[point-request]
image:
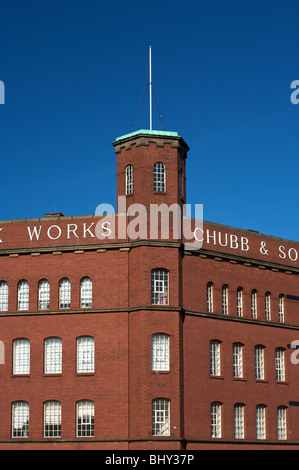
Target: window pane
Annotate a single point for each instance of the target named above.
(129, 179)
(161, 417)
(52, 419)
(3, 296)
(281, 422)
(23, 295)
(159, 177)
(259, 362)
(279, 364)
(225, 300)
(21, 356)
(86, 292)
(210, 297)
(159, 287)
(85, 418)
(260, 422)
(160, 352)
(85, 354)
(239, 421)
(20, 419)
(43, 294)
(64, 293)
(237, 360)
(215, 420)
(53, 356)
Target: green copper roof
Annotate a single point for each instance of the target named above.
(147, 132)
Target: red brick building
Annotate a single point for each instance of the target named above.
(146, 342)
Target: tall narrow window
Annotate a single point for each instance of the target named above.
(279, 364)
(239, 420)
(281, 308)
(85, 418)
(225, 299)
(240, 302)
(215, 357)
(20, 419)
(160, 352)
(210, 297)
(216, 420)
(65, 293)
(281, 423)
(21, 356)
(237, 360)
(159, 177)
(43, 294)
(253, 304)
(85, 354)
(129, 179)
(52, 419)
(3, 296)
(261, 422)
(268, 306)
(161, 417)
(23, 295)
(53, 356)
(259, 362)
(86, 292)
(160, 280)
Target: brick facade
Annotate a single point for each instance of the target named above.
(123, 318)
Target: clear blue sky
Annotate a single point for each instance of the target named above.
(74, 74)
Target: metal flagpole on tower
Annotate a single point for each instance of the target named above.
(150, 84)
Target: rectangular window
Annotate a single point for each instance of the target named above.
(259, 362)
(160, 287)
(20, 419)
(261, 422)
(216, 420)
(281, 423)
(85, 418)
(160, 352)
(279, 364)
(237, 360)
(21, 356)
(53, 356)
(161, 417)
(215, 357)
(239, 421)
(52, 419)
(85, 354)
(3, 296)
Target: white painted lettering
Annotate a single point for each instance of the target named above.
(293, 257)
(234, 242)
(87, 229)
(244, 244)
(220, 241)
(1, 241)
(73, 230)
(211, 236)
(35, 232)
(50, 229)
(282, 254)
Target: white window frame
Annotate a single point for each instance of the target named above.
(20, 419)
(268, 306)
(253, 304)
(280, 364)
(160, 352)
(216, 425)
(129, 179)
(261, 422)
(43, 294)
(53, 355)
(281, 423)
(215, 363)
(86, 292)
(259, 361)
(85, 355)
(225, 299)
(237, 360)
(240, 302)
(52, 419)
(3, 296)
(160, 287)
(23, 295)
(21, 356)
(161, 417)
(85, 418)
(281, 308)
(64, 293)
(210, 297)
(239, 425)
(159, 177)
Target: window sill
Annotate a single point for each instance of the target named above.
(217, 377)
(239, 379)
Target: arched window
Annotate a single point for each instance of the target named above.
(86, 292)
(161, 417)
(268, 306)
(259, 362)
(23, 295)
(281, 422)
(240, 302)
(85, 354)
(253, 304)
(261, 422)
(43, 294)
(129, 179)
(65, 293)
(281, 308)
(215, 357)
(85, 418)
(239, 420)
(215, 419)
(280, 364)
(160, 351)
(20, 419)
(237, 360)
(53, 356)
(159, 177)
(3, 296)
(160, 281)
(225, 299)
(210, 297)
(52, 418)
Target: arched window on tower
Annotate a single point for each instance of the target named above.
(129, 179)
(159, 177)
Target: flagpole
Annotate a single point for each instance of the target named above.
(150, 85)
